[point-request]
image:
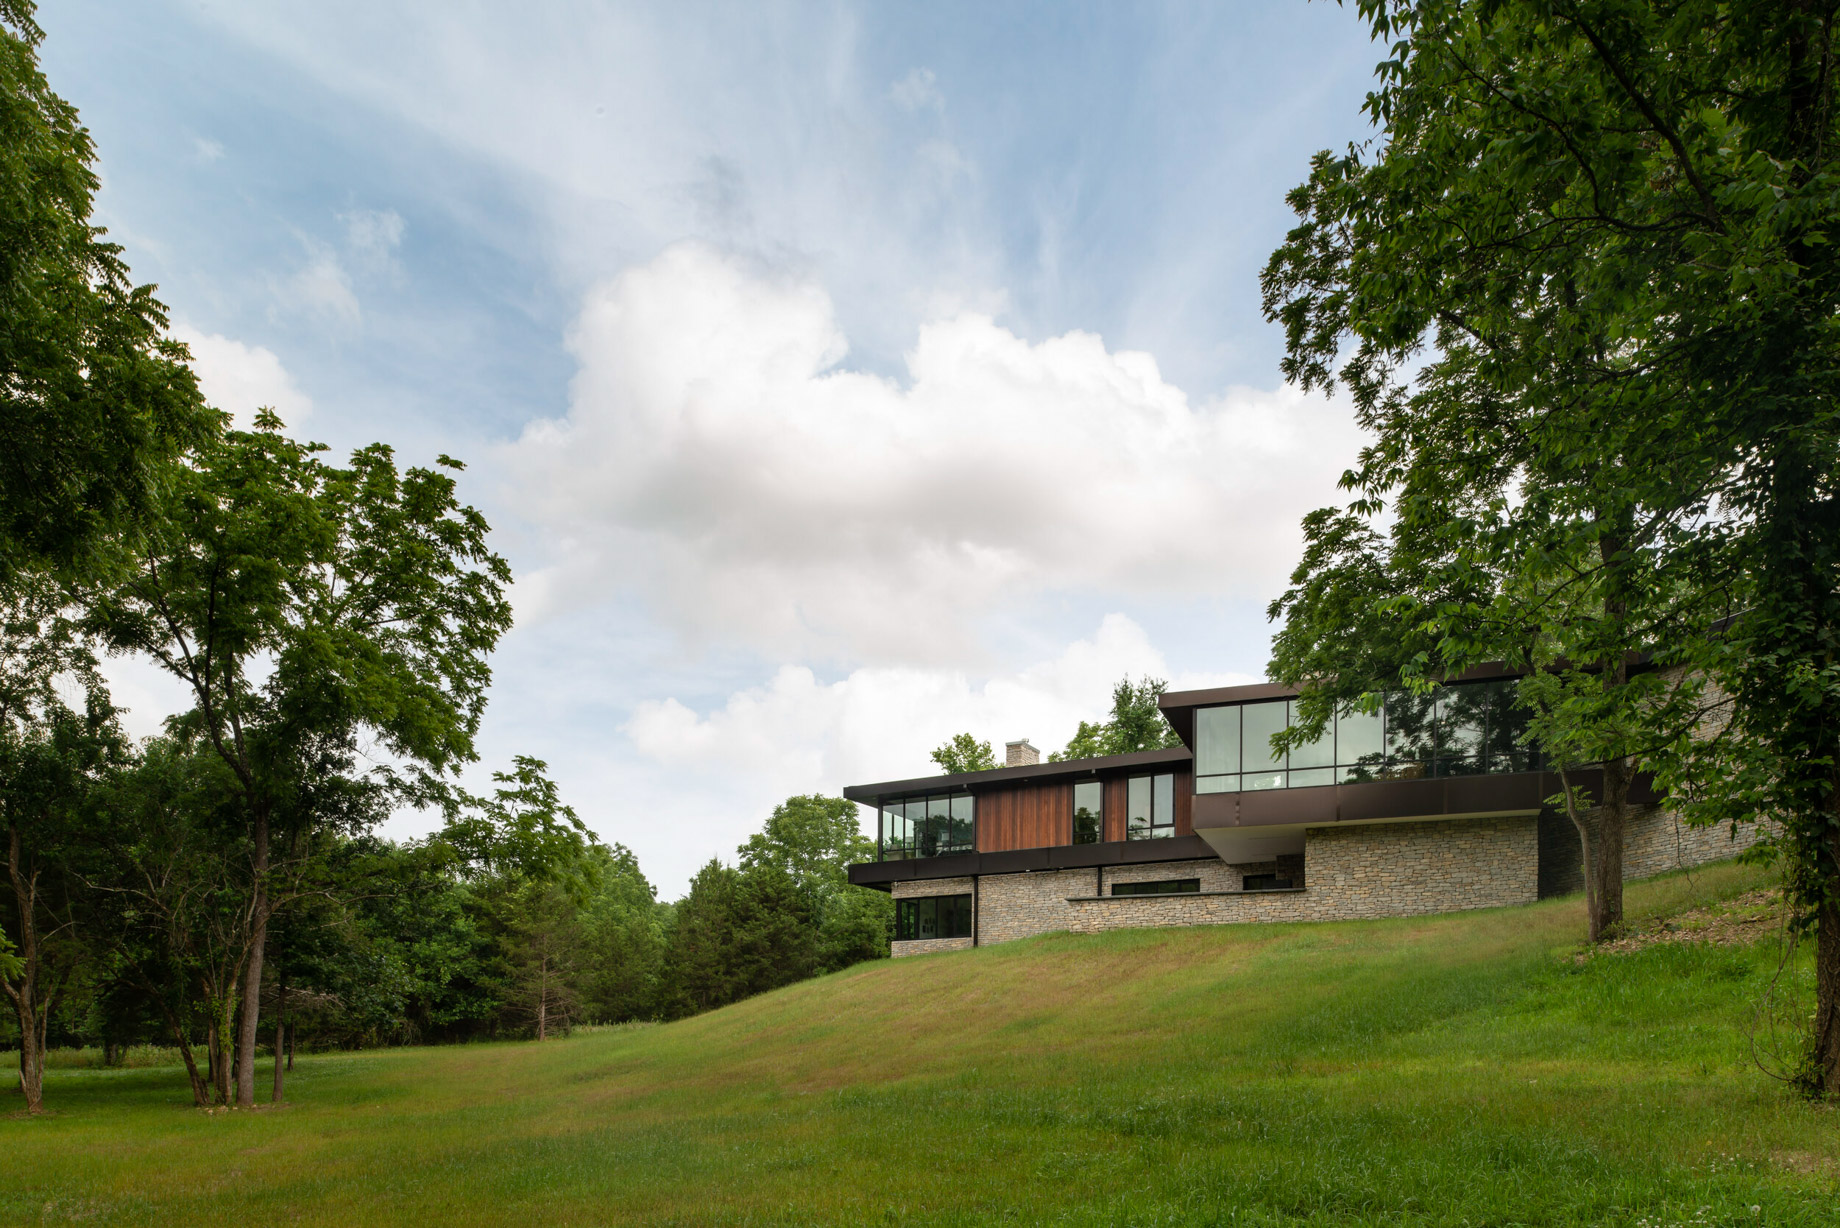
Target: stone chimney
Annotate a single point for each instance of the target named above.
(1020, 754)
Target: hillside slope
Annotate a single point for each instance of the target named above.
(1458, 1069)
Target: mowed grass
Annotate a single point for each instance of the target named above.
(1451, 1070)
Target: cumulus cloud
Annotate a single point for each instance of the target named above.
(717, 456)
(798, 734)
(240, 379)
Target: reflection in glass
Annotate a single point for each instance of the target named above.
(1137, 808)
(1217, 784)
(895, 845)
(964, 832)
(1251, 782)
(1360, 745)
(1461, 716)
(1311, 776)
(1317, 754)
(1163, 806)
(1263, 721)
(1216, 741)
(1088, 812)
(925, 844)
(1411, 735)
(933, 916)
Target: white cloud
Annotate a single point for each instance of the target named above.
(322, 288)
(206, 150)
(716, 457)
(797, 734)
(918, 89)
(372, 236)
(239, 378)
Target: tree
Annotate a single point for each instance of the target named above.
(1136, 724)
(50, 757)
(95, 402)
(813, 840)
(305, 605)
(625, 939)
(1603, 225)
(964, 753)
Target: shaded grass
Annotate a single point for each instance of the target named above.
(1448, 1070)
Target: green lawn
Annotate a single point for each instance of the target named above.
(1450, 1070)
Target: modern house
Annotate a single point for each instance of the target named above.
(1431, 804)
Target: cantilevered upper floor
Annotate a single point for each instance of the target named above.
(1456, 753)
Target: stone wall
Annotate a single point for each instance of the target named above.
(1402, 869)
(927, 946)
(1215, 874)
(1368, 870)
(1654, 842)
(1022, 905)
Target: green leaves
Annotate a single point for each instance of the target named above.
(964, 753)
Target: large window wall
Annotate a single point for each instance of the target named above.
(932, 826)
(1464, 729)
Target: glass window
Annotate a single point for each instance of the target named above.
(929, 826)
(1411, 735)
(1137, 808)
(1264, 882)
(1171, 886)
(1504, 746)
(1217, 741)
(896, 845)
(964, 830)
(1317, 754)
(1360, 745)
(1217, 784)
(1460, 729)
(1262, 722)
(1088, 812)
(925, 845)
(1150, 807)
(932, 916)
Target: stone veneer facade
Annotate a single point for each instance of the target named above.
(1355, 871)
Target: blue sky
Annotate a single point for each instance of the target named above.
(835, 377)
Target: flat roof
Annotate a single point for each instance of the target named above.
(1018, 775)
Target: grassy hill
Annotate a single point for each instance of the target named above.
(1453, 1070)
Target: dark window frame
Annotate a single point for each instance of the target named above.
(914, 843)
(1157, 830)
(1098, 835)
(1433, 743)
(912, 913)
(1164, 886)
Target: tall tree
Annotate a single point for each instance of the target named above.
(1136, 723)
(95, 401)
(964, 753)
(304, 606)
(1606, 224)
(51, 755)
(813, 840)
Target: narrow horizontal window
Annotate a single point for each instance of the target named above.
(1168, 886)
(1265, 882)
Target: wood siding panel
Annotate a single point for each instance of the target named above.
(1185, 803)
(1114, 808)
(1025, 817)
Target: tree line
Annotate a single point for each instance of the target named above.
(220, 888)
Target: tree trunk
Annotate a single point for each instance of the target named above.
(252, 974)
(1601, 831)
(201, 1093)
(25, 994)
(1826, 1038)
(280, 1030)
